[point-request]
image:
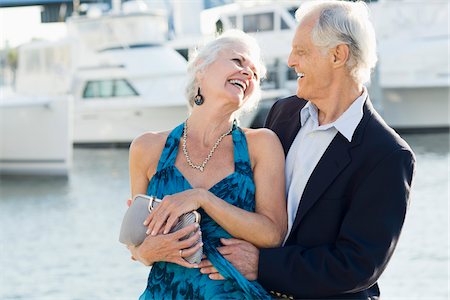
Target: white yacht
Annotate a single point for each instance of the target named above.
(413, 70)
(123, 79)
(35, 135)
(111, 79)
(410, 86)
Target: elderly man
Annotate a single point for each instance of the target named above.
(348, 174)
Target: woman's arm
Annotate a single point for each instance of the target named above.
(144, 156)
(267, 226)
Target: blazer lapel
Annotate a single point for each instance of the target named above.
(335, 159)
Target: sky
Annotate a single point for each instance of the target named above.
(19, 24)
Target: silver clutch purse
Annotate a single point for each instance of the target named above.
(133, 231)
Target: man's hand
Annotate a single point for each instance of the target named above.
(241, 254)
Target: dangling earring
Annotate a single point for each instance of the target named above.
(198, 99)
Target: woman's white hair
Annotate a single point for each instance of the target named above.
(209, 53)
(342, 22)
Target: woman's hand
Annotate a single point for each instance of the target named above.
(168, 247)
(166, 214)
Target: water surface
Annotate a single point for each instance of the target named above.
(58, 237)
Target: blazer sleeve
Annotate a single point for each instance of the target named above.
(365, 243)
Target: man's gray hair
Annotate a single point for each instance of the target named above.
(342, 22)
(209, 53)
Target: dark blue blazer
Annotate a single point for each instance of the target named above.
(350, 214)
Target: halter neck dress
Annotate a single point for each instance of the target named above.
(171, 281)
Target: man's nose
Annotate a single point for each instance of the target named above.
(290, 62)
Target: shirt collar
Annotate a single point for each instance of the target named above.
(346, 124)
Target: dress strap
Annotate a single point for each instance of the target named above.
(242, 162)
(169, 153)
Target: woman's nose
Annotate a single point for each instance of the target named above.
(248, 72)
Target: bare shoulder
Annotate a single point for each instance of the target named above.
(148, 142)
(146, 149)
(261, 136)
(263, 142)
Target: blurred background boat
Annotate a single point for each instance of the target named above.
(35, 135)
(124, 66)
(410, 86)
(123, 78)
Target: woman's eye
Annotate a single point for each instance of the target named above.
(237, 61)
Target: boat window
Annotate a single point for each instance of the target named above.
(284, 25)
(123, 88)
(108, 89)
(259, 22)
(98, 89)
(219, 27)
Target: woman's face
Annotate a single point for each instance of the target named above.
(232, 77)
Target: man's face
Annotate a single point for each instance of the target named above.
(312, 67)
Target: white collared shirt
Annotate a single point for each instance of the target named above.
(310, 144)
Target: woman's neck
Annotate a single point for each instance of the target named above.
(205, 128)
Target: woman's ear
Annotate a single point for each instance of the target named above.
(199, 76)
(200, 70)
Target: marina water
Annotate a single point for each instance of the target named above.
(59, 237)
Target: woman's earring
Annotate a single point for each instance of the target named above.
(198, 99)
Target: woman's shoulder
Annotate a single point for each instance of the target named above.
(149, 144)
(262, 142)
(260, 136)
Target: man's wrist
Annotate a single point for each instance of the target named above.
(142, 259)
(256, 264)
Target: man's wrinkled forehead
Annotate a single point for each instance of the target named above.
(303, 31)
(309, 21)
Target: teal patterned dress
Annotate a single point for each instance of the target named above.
(171, 281)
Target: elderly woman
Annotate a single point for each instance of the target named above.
(233, 176)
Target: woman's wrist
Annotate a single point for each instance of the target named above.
(202, 197)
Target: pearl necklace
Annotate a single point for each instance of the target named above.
(202, 166)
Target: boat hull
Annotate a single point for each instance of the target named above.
(36, 136)
(120, 125)
(415, 109)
